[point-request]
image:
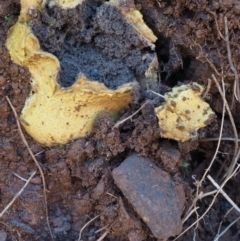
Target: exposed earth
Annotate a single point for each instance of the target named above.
(124, 183)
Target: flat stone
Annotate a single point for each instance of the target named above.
(153, 194)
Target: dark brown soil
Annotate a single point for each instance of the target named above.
(79, 175)
(103, 46)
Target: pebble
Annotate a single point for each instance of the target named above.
(36, 180)
(153, 194)
(170, 156)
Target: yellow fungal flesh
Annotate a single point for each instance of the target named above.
(183, 113)
(135, 18)
(53, 115)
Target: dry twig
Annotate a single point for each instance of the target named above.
(223, 193)
(203, 55)
(236, 82)
(198, 184)
(210, 205)
(85, 225)
(226, 229)
(232, 165)
(212, 65)
(189, 214)
(203, 195)
(23, 179)
(129, 117)
(157, 94)
(217, 138)
(215, 18)
(208, 88)
(35, 161)
(102, 228)
(18, 194)
(103, 235)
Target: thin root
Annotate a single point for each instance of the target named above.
(103, 235)
(236, 82)
(232, 165)
(35, 161)
(223, 193)
(85, 225)
(129, 117)
(208, 89)
(18, 194)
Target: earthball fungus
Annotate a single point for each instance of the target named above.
(183, 113)
(53, 114)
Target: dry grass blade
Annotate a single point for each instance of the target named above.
(103, 236)
(129, 117)
(18, 194)
(199, 195)
(223, 193)
(226, 229)
(236, 82)
(212, 202)
(157, 94)
(215, 18)
(85, 225)
(23, 179)
(208, 88)
(216, 139)
(35, 161)
(189, 214)
(232, 165)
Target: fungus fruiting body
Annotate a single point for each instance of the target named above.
(56, 115)
(183, 113)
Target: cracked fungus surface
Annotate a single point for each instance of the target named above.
(184, 112)
(55, 115)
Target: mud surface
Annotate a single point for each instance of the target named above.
(79, 175)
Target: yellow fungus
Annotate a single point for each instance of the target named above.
(135, 18)
(55, 115)
(183, 113)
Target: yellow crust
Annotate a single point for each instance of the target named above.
(26, 5)
(53, 115)
(135, 19)
(183, 113)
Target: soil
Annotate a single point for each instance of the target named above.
(102, 39)
(80, 185)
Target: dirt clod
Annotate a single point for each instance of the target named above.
(152, 193)
(170, 156)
